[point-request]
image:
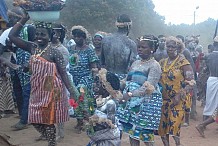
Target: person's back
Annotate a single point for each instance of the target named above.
(212, 60)
(118, 52)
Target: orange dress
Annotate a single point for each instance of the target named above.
(48, 98)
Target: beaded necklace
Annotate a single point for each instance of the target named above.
(146, 60)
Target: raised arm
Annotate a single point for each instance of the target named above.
(16, 39)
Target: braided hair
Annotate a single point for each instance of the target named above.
(153, 41)
(113, 80)
(62, 30)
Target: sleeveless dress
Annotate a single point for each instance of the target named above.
(48, 99)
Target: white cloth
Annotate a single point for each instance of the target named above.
(211, 96)
(4, 36)
(70, 43)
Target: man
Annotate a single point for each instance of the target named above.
(211, 106)
(118, 50)
(212, 82)
(210, 48)
(20, 78)
(161, 51)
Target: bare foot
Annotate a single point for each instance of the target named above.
(200, 129)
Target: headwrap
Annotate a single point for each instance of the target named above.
(123, 24)
(97, 34)
(40, 24)
(101, 34)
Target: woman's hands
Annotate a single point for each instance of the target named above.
(126, 97)
(176, 100)
(74, 93)
(26, 16)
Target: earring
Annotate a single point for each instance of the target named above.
(152, 52)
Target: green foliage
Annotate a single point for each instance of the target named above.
(100, 15)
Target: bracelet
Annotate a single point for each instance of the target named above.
(20, 24)
(129, 94)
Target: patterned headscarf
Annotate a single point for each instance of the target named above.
(40, 24)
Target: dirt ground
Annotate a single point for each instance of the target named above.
(26, 137)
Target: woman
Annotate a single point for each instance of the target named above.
(176, 73)
(97, 42)
(105, 133)
(82, 62)
(48, 101)
(140, 113)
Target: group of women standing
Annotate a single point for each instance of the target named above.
(143, 112)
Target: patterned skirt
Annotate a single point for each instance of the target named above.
(140, 117)
(6, 98)
(215, 115)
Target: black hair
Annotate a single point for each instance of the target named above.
(181, 37)
(113, 80)
(161, 36)
(78, 32)
(123, 18)
(153, 42)
(60, 28)
(210, 46)
(46, 25)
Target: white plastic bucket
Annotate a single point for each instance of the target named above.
(47, 16)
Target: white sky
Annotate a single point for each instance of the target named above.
(182, 11)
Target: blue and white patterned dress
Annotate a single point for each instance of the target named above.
(80, 69)
(140, 116)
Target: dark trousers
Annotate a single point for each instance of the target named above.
(17, 91)
(26, 96)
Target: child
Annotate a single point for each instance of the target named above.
(102, 126)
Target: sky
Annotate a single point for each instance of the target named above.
(182, 11)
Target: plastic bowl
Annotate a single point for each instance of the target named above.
(47, 16)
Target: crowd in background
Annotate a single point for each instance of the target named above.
(143, 87)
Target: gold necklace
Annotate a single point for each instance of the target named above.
(165, 69)
(42, 51)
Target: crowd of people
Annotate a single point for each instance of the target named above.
(115, 85)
